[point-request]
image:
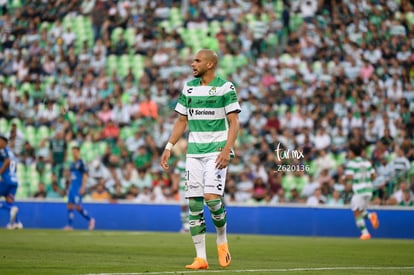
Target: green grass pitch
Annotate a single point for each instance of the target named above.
(125, 252)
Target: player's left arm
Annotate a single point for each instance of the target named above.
(84, 179)
(223, 158)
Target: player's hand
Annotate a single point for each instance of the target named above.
(164, 159)
(223, 159)
(81, 191)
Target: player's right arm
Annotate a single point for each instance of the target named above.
(177, 132)
(373, 173)
(6, 161)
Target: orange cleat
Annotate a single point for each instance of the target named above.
(373, 218)
(224, 256)
(365, 237)
(199, 263)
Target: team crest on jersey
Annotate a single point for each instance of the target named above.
(212, 91)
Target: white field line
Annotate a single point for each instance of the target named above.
(268, 270)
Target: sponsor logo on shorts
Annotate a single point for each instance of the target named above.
(218, 178)
(219, 187)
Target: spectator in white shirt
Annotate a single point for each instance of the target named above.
(120, 113)
(322, 140)
(68, 37)
(49, 114)
(316, 199)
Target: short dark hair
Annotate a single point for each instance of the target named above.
(355, 148)
(4, 138)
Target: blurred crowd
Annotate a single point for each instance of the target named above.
(312, 75)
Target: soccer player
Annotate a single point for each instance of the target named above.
(79, 177)
(8, 183)
(209, 106)
(360, 173)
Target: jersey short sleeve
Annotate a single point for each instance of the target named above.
(231, 102)
(83, 169)
(181, 106)
(3, 154)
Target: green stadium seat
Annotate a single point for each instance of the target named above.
(26, 87)
(312, 168)
(214, 27)
(33, 178)
(130, 36)
(46, 176)
(295, 22)
(241, 60)
(101, 147)
(29, 133)
(272, 40)
(175, 17)
(278, 6)
(22, 192)
(14, 4)
(289, 182)
(285, 58)
(4, 125)
(88, 151)
(126, 132)
(43, 132)
(21, 173)
(339, 159)
(317, 67)
(111, 62)
(115, 34)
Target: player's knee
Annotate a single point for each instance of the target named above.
(196, 204)
(10, 199)
(209, 197)
(213, 203)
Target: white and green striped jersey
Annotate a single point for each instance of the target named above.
(206, 108)
(361, 170)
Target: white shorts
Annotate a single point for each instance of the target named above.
(360, 202)
(183, 200)
(204, 178)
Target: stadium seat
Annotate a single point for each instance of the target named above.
(29, 132)
(126, 132)
(22, 192)
(101, 147)
(4, 126)
(15, 4)
(130, 36)
(115, 34)
(88, 152)
(214, 27)
(43, 132)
